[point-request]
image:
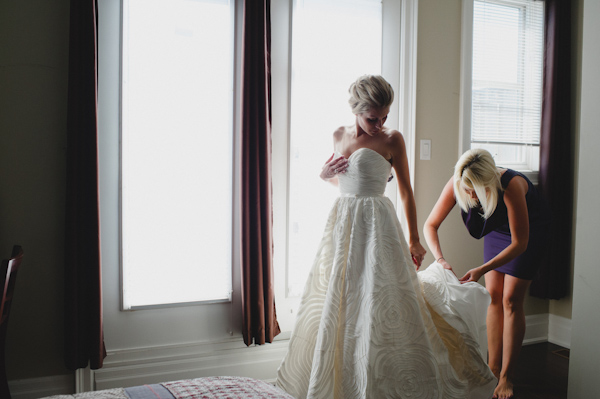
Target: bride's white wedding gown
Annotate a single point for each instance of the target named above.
(370, 326)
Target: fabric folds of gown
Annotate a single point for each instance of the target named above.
(368, 325)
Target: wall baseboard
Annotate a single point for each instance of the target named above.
(559, 331)
(536, 329)
(138, 366)
(159, 364)
(548, 328)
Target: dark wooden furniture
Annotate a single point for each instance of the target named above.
(8, 276)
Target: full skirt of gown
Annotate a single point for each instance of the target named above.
(370, 326)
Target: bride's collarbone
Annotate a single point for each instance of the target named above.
(351, 146)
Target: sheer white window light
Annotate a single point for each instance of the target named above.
(507, 70)
(334, 42)
(176, 167)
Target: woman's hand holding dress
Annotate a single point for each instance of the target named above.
(417, 252)
(472, 275)
(333, 167)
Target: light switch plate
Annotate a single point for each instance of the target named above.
(425, 150)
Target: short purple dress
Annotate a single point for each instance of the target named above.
(497, 231)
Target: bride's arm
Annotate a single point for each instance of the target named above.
(334, 166)
(400, 164)
(438, 214)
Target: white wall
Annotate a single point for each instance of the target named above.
(438, 110)
(585, 347)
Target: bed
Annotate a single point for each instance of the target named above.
(198, 388)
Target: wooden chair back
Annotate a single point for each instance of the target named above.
(8, 275)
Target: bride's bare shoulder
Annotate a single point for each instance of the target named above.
(340, 132)
(394, 138)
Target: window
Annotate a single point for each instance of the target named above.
(317, 53)
(502, 80)
(177, 151)
(166, 108)
(319, 105)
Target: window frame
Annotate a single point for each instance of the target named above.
(235, 63)
(122, 326)
(399, 30)
(466, 84)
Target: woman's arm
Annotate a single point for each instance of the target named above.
(400, 164)
(518, 220)
(334, 166)
(438, 214)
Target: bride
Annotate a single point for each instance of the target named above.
(370, 326)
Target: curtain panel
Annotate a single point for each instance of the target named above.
(556, 152)
(84, 337)
(258, 302)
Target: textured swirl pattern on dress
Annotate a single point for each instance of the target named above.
(366, 327)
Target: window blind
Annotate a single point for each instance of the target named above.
(508, 45)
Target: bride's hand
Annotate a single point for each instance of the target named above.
(445, 265)
(417, 252)
(334, 167)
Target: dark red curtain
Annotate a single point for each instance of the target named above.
(258, 302)
(84, 338)
(556, 152)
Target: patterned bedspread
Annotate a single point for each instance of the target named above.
(224, 388)
(199, 388)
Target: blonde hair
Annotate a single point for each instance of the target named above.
(477, 170)
(370, 91)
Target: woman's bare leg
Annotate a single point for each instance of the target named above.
(494, 282)
(513, 334)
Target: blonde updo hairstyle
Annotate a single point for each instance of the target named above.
(477, 170)
(368, 92)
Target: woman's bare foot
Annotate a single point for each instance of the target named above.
(496, 371)
(504, 390)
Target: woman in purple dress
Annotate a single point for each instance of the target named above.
(504, 206)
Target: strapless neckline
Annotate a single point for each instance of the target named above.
(367, 174)
(370, 150)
